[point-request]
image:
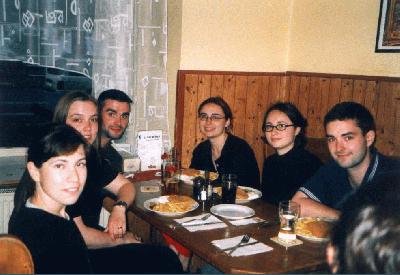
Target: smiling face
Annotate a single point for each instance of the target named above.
(115, 119)
(82, 115)
(59, 181)
(281, 141)
(348, 146)
(213, 128)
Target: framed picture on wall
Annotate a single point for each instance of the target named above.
(388, 34)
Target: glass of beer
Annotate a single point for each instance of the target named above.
(289, 211)
(229, 187)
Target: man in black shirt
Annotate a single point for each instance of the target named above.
(114, 109)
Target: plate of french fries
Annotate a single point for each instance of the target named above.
(171, 206)
(314, 229)
(188, 174)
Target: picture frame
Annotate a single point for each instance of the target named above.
(388, 33)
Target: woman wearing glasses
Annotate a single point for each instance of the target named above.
(223, 152)
(286, 170)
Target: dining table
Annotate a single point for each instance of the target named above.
(308, 257)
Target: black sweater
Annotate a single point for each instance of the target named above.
(55, 243)
(237, 157)
(283, 175)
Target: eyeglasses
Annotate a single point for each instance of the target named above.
(279, 127)
(204, 117)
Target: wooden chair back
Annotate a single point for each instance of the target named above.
(15, 257)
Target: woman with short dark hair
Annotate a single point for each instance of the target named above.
(55, 177)
(286, 170)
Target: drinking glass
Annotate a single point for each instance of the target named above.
(170, 174)
(289, 211)
(229, 187)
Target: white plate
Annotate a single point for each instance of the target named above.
(232, 211)
(164, 199)
(253, 194)
(313, 238)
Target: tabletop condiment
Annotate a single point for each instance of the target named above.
(198, 182)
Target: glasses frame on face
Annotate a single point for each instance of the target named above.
(212, 118)
(280, 127)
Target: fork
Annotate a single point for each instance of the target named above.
(245, 239)
(197, 219)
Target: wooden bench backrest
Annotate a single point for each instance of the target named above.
(15, 257)
(250, 94)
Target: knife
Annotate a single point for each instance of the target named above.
(244, 244)
(198, 224)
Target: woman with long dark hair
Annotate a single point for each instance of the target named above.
(286, 170)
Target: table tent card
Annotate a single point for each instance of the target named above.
(149, 146)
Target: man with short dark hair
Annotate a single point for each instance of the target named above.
(114, 109)
(350, 134)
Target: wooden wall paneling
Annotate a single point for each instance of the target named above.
(391, 116)
(273, 89)
(371, 97)
(239, 107)
(304, 90)
(346, 90)
(203, 92)
(324, 87)
(334, 92)
(217, 85)
(253, 108)
(284, 88)
(359, 90)
(314, 104)
(294, 88)
(179, 111)
(189, 119)
(264, 104)
(229, 90)
(385, 118)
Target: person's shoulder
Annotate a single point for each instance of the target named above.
(32, 220)
(202, 145)
(308, 156)
(388, 163)
(237, 142)
(329, 170)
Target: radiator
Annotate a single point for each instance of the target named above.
(6, 207)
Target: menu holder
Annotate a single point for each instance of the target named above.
(149, 146)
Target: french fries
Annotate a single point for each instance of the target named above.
(175, 204)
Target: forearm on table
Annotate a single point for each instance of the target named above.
(127, 193)
(312, 208)
(123, 189)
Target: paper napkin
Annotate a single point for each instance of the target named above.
(251, 248)
(210, 223)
